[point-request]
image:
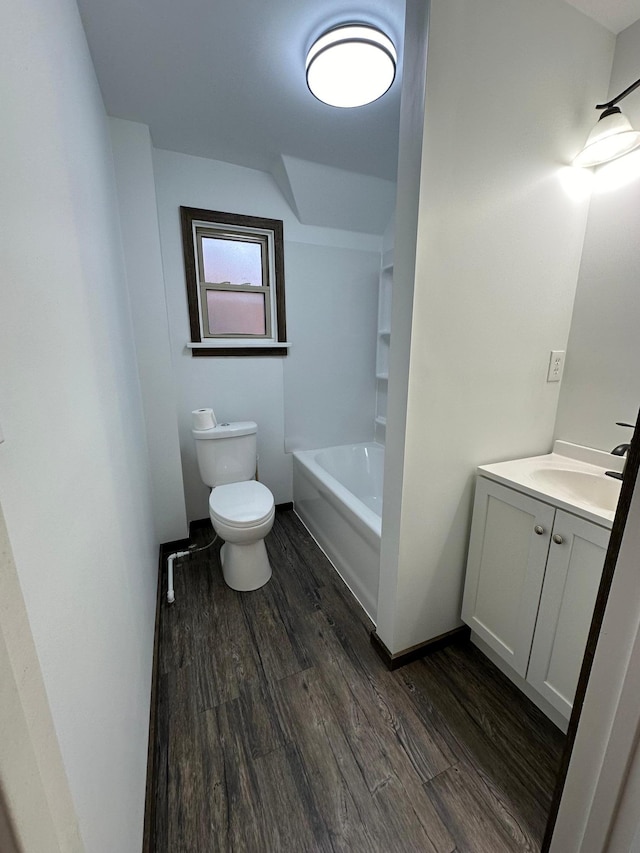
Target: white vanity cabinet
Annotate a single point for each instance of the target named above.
(510, 536)
(532, 579)
(571, 581)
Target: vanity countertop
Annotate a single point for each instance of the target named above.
(572, 478)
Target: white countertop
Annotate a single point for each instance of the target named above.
(571, 477)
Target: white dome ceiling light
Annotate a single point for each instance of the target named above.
(612, 136)
(351, 65)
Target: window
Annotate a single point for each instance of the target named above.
(234, 269)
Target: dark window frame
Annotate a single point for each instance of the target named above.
(273, 227)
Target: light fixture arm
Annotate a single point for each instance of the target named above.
(619, 97)
(612, 137)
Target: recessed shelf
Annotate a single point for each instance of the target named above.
(383, 344)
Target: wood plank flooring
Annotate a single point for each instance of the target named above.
(280, 729)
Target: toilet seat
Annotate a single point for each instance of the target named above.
(241, 505)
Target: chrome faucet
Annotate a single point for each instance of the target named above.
(619, 450)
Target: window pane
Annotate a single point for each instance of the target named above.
(235, 261)
(236, 313)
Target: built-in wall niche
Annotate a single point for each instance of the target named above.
(382, 349)
(381, 409)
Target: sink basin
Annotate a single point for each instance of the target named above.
(586, 488)
(572, 478)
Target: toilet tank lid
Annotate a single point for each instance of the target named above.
(234, 430)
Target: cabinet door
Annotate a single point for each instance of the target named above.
(510, 536)
(568, 597)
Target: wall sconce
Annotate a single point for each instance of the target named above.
(612, 136)
(351, 65)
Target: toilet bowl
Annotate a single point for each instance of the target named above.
(241, 509)
(242, 515)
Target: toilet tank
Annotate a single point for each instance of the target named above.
(227, 453)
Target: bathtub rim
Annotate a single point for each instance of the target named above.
(337, 494)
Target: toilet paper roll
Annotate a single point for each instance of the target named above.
(203, 419)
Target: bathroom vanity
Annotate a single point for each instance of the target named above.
(539, 536)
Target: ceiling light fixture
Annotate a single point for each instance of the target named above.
(351, 65)
(612, 136)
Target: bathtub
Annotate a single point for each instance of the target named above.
(337, 493)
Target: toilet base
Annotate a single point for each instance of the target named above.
(245, 567)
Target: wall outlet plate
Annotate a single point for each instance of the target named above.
(556, 365)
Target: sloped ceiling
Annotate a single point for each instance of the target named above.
(226, 80)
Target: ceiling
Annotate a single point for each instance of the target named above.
(226, 80)
(615, 15)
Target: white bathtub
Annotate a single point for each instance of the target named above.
(337, 492)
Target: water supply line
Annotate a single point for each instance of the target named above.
(171, 595)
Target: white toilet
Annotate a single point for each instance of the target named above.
(241, 509)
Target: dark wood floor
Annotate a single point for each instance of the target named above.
(279, 728)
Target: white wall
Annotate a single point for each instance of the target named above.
(403, 233)
(74, 482)
(510, 89)
(327, 279)
(329, 376)
(601, 383)
(138, 212)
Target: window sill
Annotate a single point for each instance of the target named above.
(250, 348)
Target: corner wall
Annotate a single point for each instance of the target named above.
(138, 213)
(510, 92)
(74, 479)
(402, 234)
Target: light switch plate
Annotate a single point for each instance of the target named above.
(556, 365)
